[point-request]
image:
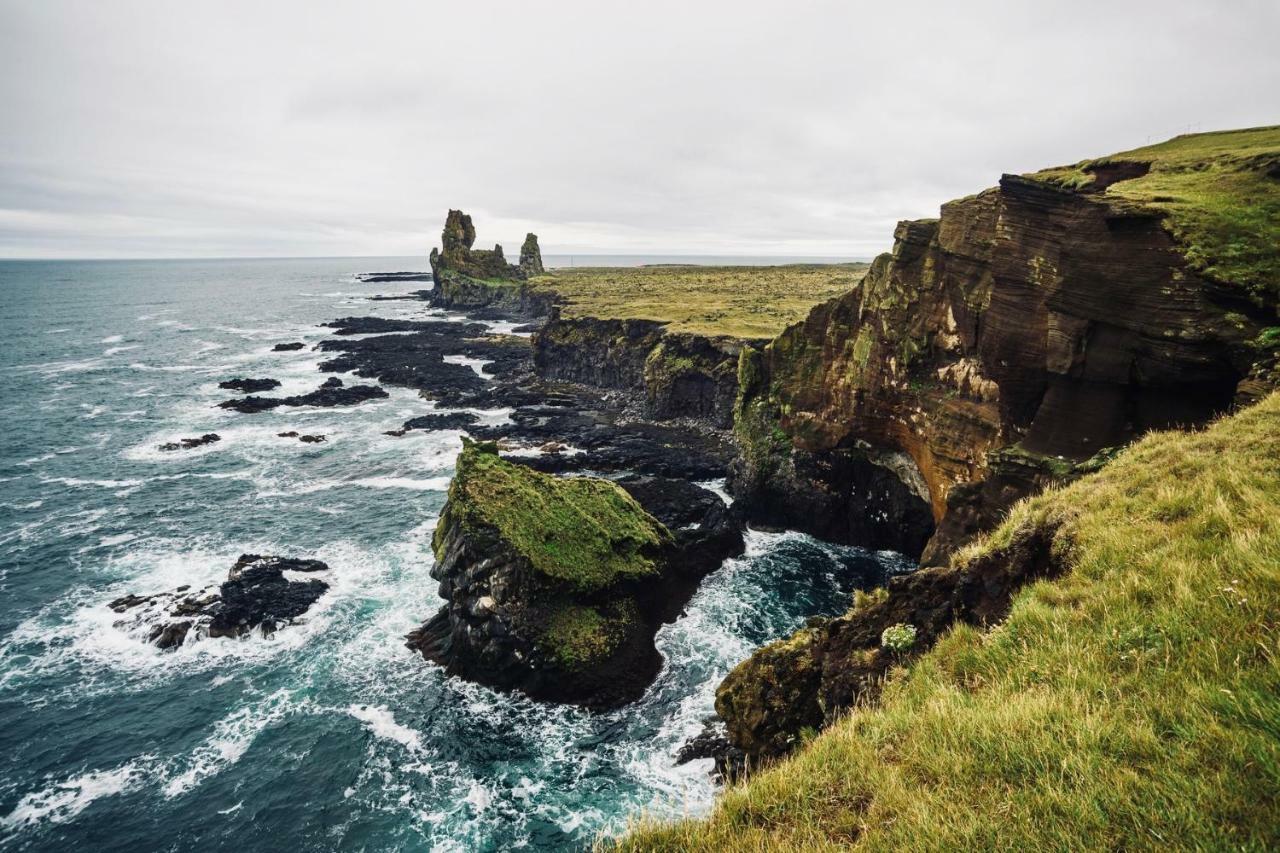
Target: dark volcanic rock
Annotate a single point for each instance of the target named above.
(415, 357)
(256, 595)
(456, 254)
(308, 439)
(249, 386)
(296, 345)
(380, 277)
(531, 256)
(415, 296)
(189, 443)
(331, 393)
(443, 420)
(713, 742)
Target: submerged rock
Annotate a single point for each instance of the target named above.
(190, 443)
(257, 595)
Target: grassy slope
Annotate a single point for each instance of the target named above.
(742, 302)
(1132, 704)
(1219, 197)
(583, 530)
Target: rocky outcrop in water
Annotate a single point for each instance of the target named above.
(257, 596)
(289, 347)
(1025, 331)
(331, 393)
(250, 386)
(555, 587)
(191, 443)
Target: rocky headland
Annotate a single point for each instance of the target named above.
(1018, 341)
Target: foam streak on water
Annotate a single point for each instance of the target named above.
(329, 733)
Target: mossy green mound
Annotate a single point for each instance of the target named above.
(581, 637)
(584, 531)
(1131, 704)
(739, 302)
(1219, 194)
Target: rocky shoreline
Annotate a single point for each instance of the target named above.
(978, 363)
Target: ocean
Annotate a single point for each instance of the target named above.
(330, 734)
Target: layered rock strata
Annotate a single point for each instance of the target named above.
(1025, 331)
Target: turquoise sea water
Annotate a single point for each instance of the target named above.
(330, 735)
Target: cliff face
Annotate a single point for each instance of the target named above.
(1045, 323)
(680, 375)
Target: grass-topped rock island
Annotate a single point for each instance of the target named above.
(555, 585)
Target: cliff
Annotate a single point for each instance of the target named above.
(1127, 703)
(997, 348)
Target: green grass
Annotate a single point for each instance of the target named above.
(1133, 703)
(1220, 197)
(739, 302)
(582, 530)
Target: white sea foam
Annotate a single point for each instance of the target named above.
(382, 723)
(113, 339)
(118, 350)
(76, 482)
(231, 738)
(476, 364)
(64, 800)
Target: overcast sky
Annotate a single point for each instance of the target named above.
(200, 128)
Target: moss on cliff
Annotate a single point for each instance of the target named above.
(584, 531)
(1130, 704)
(1219, 193)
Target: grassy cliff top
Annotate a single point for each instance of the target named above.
(740, 302)
(585, 531)
(1131, 704)
(1220, 196)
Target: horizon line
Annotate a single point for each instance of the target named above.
(839, 256)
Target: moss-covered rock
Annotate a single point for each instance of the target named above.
(554, 586)
(584, 532)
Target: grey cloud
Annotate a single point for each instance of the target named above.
(149, 128)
